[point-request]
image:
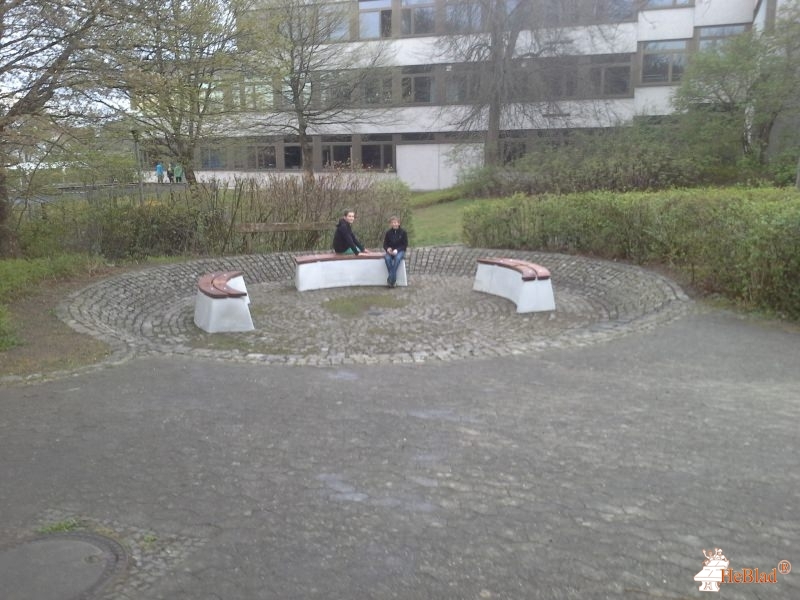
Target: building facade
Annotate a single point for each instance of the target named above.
(597, 63)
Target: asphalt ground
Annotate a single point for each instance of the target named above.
(600, 466)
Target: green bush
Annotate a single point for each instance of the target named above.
(203, 220)
(742, 243)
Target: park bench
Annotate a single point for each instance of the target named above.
(222, 303)
(328, 270)
(526, 284)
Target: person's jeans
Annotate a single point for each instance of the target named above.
(392, 263)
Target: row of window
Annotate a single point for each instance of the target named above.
(371, 152)
(336, 151)
(572, 77)
(402, 18)
(557, 78)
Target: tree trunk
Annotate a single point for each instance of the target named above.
(6, 242)
(797, 181)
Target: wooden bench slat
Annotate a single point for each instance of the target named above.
(222, 280)
(215, 285)
(330, 256)
(529, 271)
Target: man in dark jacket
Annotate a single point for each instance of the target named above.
(395, 243)
(344, 240)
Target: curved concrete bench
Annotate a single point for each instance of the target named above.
(526, 284)
(222, 303)
(319, 271)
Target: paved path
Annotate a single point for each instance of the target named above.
(597, 467)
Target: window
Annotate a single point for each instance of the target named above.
(610, 75)
(335, 22)
(712, 37)
(667, 3)
(545, 79)
(664, 62)
(336, 88)
(376, 90)
(418, 17)
(463, 17)
(261, 156)
(336, 151)
(558, 12)
(416, 84)
(256, 95)
(377, 155)
(292, 156)
(213, 96)
(211, 158)
(460, 85)
(374, 19)
(613, 10)
(304, 92)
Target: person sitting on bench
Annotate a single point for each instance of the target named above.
(344, 240)
(395, 243)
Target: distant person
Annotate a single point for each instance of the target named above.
(178, 173)
(344, 240)
(395, 244)
(170, 173)
(160, 172)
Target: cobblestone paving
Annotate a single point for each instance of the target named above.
(438, 317)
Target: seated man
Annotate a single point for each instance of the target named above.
(344, 240)
(395, 243)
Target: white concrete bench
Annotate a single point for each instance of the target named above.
(319, 271)
(222, 303)
(526, 284)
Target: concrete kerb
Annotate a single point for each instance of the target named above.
(149, 311)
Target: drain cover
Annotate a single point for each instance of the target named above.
(70, 566)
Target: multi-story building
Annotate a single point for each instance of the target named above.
(608, 61)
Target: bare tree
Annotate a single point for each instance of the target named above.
(317, 81)
(174, 64)
(44, 46)
(519, 58)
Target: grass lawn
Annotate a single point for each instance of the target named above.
(439, 224)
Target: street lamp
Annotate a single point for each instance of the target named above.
(135, 135)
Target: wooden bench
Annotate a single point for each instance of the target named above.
(319, 271)
(222, 303)
(526, 284)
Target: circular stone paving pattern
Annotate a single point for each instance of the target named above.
(438, 317)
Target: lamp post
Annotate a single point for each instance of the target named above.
(135, 135)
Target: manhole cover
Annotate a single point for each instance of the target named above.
(70, 566)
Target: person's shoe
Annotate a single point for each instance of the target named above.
(388, 282)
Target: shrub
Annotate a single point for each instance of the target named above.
(203, 220)
(742, 243)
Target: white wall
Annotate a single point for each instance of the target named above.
(723, 12)
(435, 166)
(666, 24)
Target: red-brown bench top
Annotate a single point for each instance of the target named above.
(529, 271)
(215, 285)
(330, 256)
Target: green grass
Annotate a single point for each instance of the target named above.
(356, 306)
(439, 224)
(8, 337)
(65, 526)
